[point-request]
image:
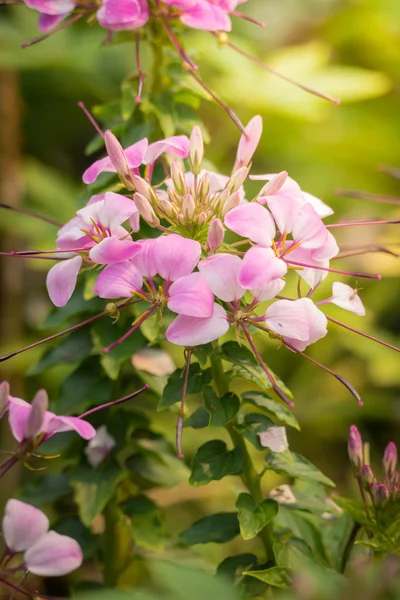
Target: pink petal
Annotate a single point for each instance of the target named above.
(114, 14)
(144, 259)
(317, 326)
(61, 280)
(304, 255)
(206, 16)
(327, 250)
(285, 207)
(136, 153)
(46, 22)
(248, 143)
(308, 229)
(113, 250)
(252, 221)
(175, 256)
(104, 165)
(17, 417)
(62, 424)
(344, 296)
(269, 291)
(260, 267)
(322, 209)
(289, 318)
(111, 212)
(189, 331)
(221, 272)
(51, 7)
(53, 555)
(118, 281)
(184, 4)
(177, 145)
(191, 296)
(23, 525)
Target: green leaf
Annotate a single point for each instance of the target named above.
(218, 528)
(202, 353)
(94, 488)
(254, 517)
(72, 349)
(146, 522)
(299, 468)
(246, 367)
(354, 510)
(271, 408)
(173, 390)
(157, 463)
(304, 526)
(213, 461)
(252, 425)
(45, 490)
(199, 419)
(279, 577)
(86, 386)
(222, 410)
(77, 305)
(232, 570)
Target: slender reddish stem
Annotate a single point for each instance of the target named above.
(366, 335)
(91, 119)
(139, 68)
(25, 211)
(305, 266)
(114, 402)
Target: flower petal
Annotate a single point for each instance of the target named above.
(23, 525)
(269, 291)
(191, 296)
(289, 318)
(62, 424)
(248, 143)
(61, 280)
(177, 145)
(260, 267)
(344, 296)
(113, 250)
(135, 154)
(100, 166)
(175, 256)
(206, 16)
(118, 281)
(221, 272)
(53, 555)
(252, 221)
(46, 22)
(110, 212)
(189, 331)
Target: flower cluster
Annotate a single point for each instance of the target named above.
(116, 15)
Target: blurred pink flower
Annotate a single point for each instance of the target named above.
(117, 15)
(51, 11)
(210, 15)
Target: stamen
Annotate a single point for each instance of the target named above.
(91, 119)
(54, 30)
(305, 266)
(366, 250)
(114, 402)
(361, 223)
(136, 324)
(138, 98)
(366, 335)
(178, 47)
(25, 211)
(381, 198)
(247, 18)
(179, 424)
(388, 170)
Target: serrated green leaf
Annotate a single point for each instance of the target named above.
(222, 410)
(299, 468)
(218, 528)
(254, 517)
(213, 461)
(272, 408)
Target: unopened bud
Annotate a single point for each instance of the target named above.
(4, 393)
(390, 459)
(232, 202)
(36, 416)
(274, 184)
(201, 219)
(145, 189)
(395, 478)
(173, 196)
(196, 151)
(204, 186)
(118, 159)
(180, 218)
(367, 476)
(381, 495)
(355, 448)
(188, 206)
(237, 179)
(178, 178)
(167, 208)
(215, 235)
(146, 210)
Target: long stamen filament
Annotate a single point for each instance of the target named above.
(366, 335)
(318, 268)
(179, 424)
(114, 402)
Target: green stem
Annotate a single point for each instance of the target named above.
(249, 475)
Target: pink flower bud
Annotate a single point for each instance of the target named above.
(390, 459)
(146, 211)
(196, 152)
(118, 158)
(4, 393)
(204, 186)
(232, 202)
(202, 218)
(188, 206)
(367, 476)
(274, 184)
(35, 421)
(381, 495)
(216, 234)
(167, 208)
(249, 142)
(237, 179)
(145, 189)
(355, 448)
(178, 178)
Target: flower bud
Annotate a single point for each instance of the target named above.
(237, 179)
(167, 208)
(355, 448)
(196, 152)
(118, 159)
(390, 459)
(274, 184)
(215, 235)
(173, 197)
(230, 203)
(4, 393)
(396, 478)
(146, 210)
(204, 186)
(145, 189)
(381, 495)
(367, 476)
(202, 218)
(35, 420)
(188, 206)
(178, 178)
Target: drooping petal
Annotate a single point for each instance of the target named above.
(177, 145)
(289, 318)
(118, 281)
(47, 22)
(221, 272)
(285, 206)
(206, 16)
(51, 7)
(103, 165)
(248, 142)
(99, 447)
(175, 256)
(189, 331)
(61, 424)
(23, 525)
(252, 221)
(260, 267)
(191, 296)
(344, 296)
(53, 555)
(61, 280)
(322, 209)
(113, 250)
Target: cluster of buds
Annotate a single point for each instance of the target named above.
(374, 492)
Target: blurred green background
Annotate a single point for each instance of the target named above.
(347, 48)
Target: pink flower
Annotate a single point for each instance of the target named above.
(191, 331)
(299, 322)
(123, 14)
(346, 297)
(96, 231)
(29, 421)
(210, 15)
(248, 142)
(99, 447)
(46, 553)
(51, 11)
